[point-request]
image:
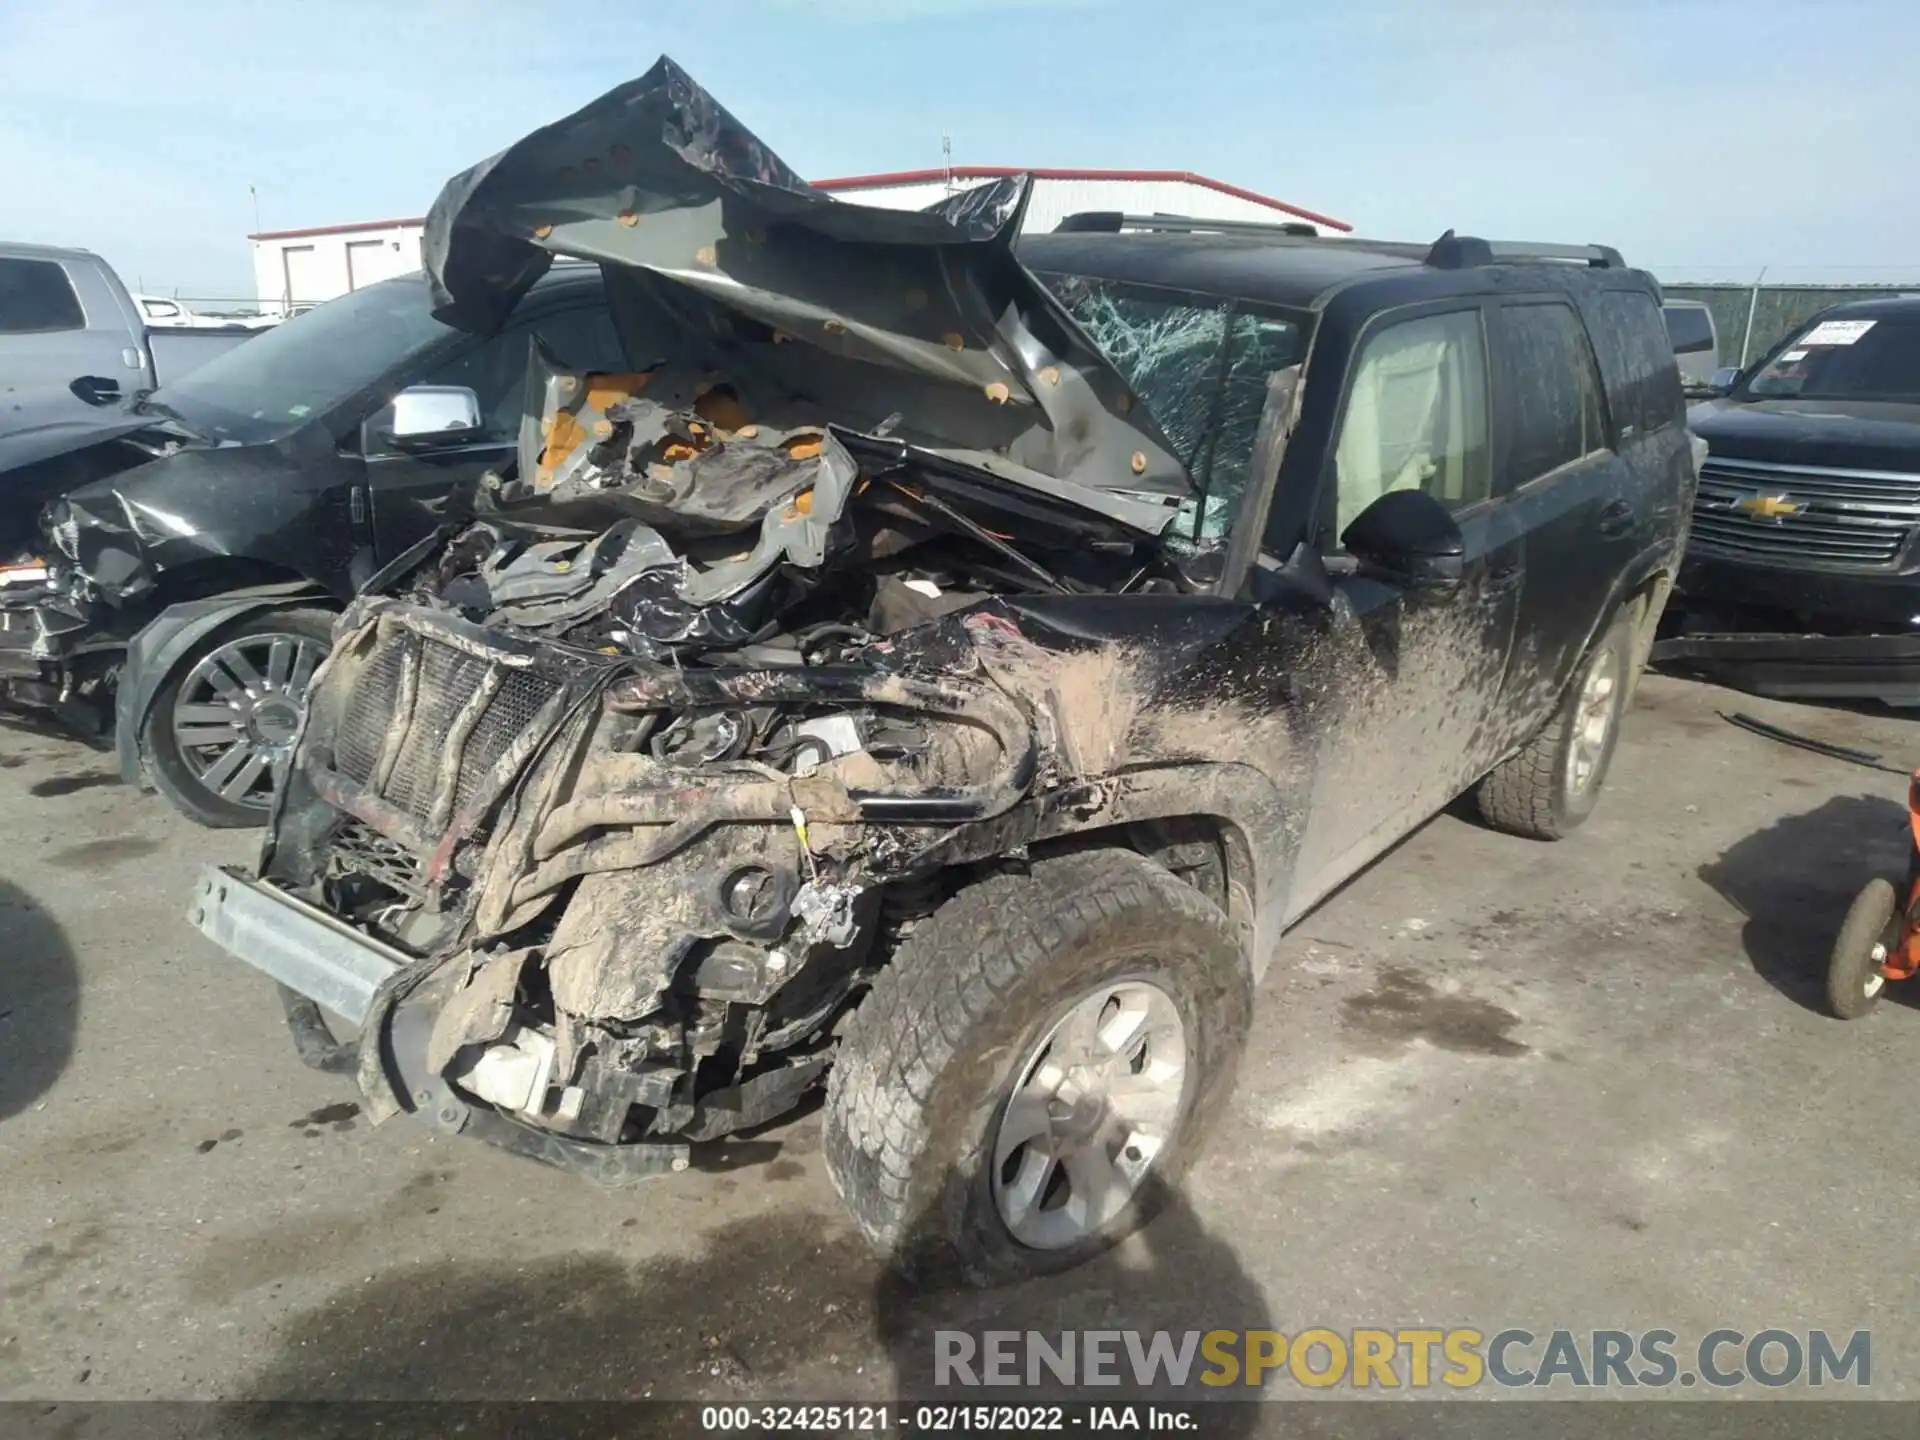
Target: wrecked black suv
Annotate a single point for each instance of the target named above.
(951, 669)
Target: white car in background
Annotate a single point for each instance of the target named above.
(161, 312)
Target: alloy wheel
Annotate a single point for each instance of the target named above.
(239, 710)
(1593, 720)
(1092, 1105)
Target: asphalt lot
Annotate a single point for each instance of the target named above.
(1492, 1083)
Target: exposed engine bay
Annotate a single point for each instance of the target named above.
(676, 739)
(643, 765)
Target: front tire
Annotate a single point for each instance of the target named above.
(223, 723)
(1035, 1067)
(1854, 975)
(1552, 785)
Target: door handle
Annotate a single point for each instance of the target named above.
(1617, 518)
(96, 390)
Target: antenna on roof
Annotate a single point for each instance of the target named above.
(946, 158)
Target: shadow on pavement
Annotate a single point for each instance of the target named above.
(1173, 1276)
(39, 1000)
(1795, 879)
(49, 725)
(783, 1306)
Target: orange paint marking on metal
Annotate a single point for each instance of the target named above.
(611, 388)
(565, 432)
(563, 439)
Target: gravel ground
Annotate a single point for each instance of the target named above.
(1492, 1083)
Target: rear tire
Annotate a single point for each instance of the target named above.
(1854, 977)
(242, 692)
(1552, 785)
(977, 1008)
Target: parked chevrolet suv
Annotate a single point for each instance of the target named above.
(945, 672)
(1803, 576)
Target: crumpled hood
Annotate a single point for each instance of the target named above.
(918, 324)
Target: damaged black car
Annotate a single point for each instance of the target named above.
(942, 672)
(172, 567)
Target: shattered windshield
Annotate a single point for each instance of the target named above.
(1201, 365)
(303, 367)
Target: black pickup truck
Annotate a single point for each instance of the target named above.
(1802, 577)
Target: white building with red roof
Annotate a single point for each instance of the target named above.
(304, 267)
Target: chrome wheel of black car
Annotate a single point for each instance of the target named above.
(239, 710)
(223, 725)
(1595, 713)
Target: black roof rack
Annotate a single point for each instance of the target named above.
(1457, 252)
(1113, 221)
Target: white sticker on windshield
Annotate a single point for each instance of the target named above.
(1793, 355)
(299, 412)
(1836, 332)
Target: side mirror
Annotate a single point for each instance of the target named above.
(1409, 539)
(423, 416)
(1724, 379)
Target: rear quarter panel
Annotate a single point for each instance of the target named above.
(1649, 414)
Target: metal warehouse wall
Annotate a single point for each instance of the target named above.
(307, 267)
(1778, 311)
(1054, 200)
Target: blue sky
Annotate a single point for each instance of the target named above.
(1705, 139)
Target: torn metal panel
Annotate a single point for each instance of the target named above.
(478, 1010)
(693, 217)
(562, 582)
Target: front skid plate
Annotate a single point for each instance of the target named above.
(302, 947)
(338, 968)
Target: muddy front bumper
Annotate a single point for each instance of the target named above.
(321, 962)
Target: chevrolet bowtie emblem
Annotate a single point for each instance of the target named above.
(1767, 507)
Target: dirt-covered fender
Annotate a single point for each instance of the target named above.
(1259, 821)
(168, 639)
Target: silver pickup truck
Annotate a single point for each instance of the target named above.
(72, 340)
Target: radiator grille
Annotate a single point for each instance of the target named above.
(369, 712)
(1805, 516)
(428, 759)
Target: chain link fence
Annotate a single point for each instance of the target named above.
(1751, 319)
